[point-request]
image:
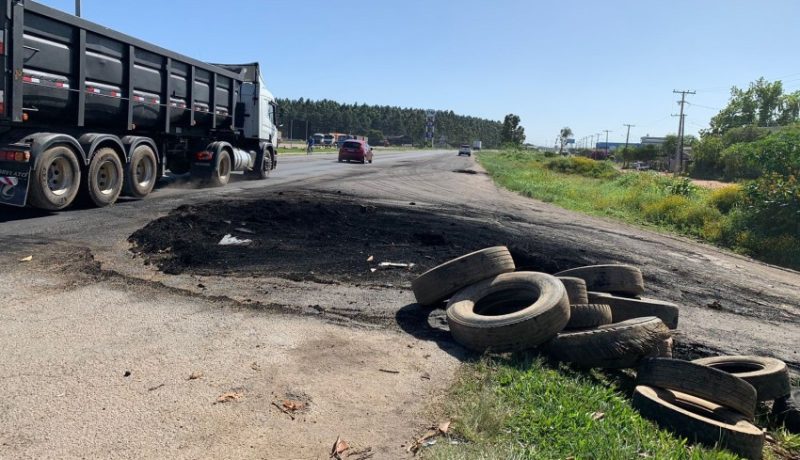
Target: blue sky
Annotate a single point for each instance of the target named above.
(590, 65)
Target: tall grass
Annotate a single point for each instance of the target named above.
(721, 217)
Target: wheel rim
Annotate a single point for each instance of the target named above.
(145, 170)
(107, 177)
(60, 176)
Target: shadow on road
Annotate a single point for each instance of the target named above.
(421, 323)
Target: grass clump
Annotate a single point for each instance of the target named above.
(539, 412)
(584, 167)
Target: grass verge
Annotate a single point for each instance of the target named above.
(720, 216)
(521, 408)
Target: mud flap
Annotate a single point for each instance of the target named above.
(14, 184)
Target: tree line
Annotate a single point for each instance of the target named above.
(394, 124)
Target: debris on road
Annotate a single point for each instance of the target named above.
(283, 409)
(391, 265)
(26, 259)
(370, 258)
(389, 371)
(245, 230)
(230, 240)
(228, 397)
(428, 439)
(157, 387)
(126, 374)
(339, 447)
(195, 375)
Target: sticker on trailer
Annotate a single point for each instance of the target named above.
(14, 183)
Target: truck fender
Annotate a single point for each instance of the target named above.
(40, 142)
(92, 141)
(217, 147)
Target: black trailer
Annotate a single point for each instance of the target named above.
(88, 111)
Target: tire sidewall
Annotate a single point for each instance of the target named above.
(132, 186)
(95, 194)
(41, 195)
(218, 179)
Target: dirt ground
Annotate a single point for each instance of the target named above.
(305, 313)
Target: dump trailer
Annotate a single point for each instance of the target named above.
(90, 113)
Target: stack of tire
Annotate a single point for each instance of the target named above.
(493, 308)
(713, 400)
(596, 317)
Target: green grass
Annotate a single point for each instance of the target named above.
(664, 202)
(522, 408)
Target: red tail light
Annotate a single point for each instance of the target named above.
(19, 157)
(204, 156)
(2, 48)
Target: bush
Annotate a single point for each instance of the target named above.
(680, 212)
(773, 205)
(584, 167)
(726, 198)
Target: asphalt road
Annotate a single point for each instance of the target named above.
(93, 226)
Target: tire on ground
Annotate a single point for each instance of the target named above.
(262, 167)
(618, 345)
(663, 350)
(616, 279)
(439, 283)
(769, 376)
(701, 381)
(625, 308)
(55, 179)
(509, 312)
(584, 316)
(699, 420)
(787, 411)
(576, 290)
(141, 172)
(104, 177)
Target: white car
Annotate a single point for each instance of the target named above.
(465, 150)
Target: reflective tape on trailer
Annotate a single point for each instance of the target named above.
(11, 181)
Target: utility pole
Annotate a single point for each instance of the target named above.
(679, 152)
(607, 131)
(306, 129)
(628, 135)
(78, 8)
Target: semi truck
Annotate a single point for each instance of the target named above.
(89, 113)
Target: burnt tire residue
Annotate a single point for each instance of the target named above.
(319, 237)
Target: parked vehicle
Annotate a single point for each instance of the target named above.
(85, 110)
(477, 145)
(465, 150)
(355, 150)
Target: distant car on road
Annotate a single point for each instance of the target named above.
(465, 150)
(641, 166)
(355, 150)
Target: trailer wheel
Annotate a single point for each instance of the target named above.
(56, 179)
(222, 170)
(105, 177)
(141, 173)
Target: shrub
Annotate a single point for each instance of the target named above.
(726, 198)
(681, 186)
(682, 213)
(584, 167)
(773, 205)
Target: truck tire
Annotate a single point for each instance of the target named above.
(262, 167)
(701, 381)
(787, 411)
(699, 420)
(104, 178)
(56, 179)
(141, 173)
(439, 283)
(509, 312)
(612, 346)
(625, 308)
(221, 173)
(615, 279)
(576, 290)
(585, 316)
(769, 376)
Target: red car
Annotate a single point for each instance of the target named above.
(355, 150)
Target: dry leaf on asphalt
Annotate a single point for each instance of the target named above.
(26, 259)
(228, 397)
(293, 406)
(338, 447)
